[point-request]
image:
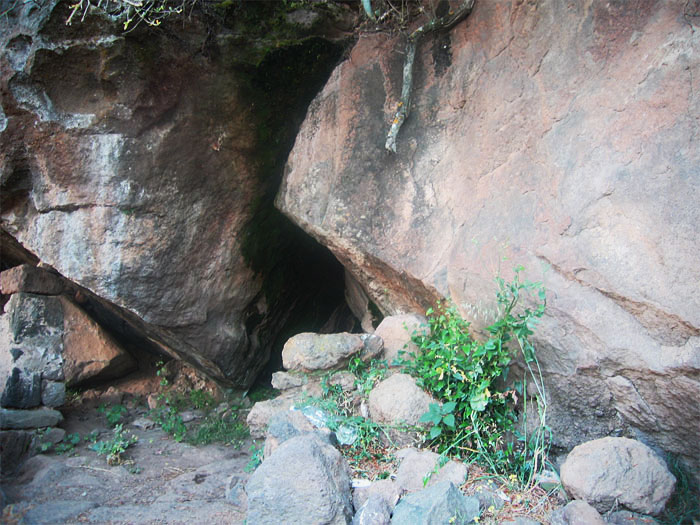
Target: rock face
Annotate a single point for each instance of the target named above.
(132, 164)
(304, 481)
(559, 136)
(396, 332)
(610, 471)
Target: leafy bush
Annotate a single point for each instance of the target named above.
(113, 414)
(474, 416)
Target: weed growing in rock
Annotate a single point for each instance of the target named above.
(65, 446)
(474, 416)
(256, 457)
(115, 447)
(367, 374)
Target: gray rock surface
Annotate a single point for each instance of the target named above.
(625, 517)
(386, 489)
(15, 447)
(283, 426)
(304, 481)
(396, 332)
(375, 511)
(287, 380)
(11, 419)
(576, 512)
(259, 416)
(310, 351)
(420, 468)
(398, 399)
(611, 471)
(436, 505)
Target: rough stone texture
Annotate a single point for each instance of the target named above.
(262, 412)
(577, 512)
(560, 136)
(344, 379)
(625, 517)
(375, 511)
(611, 471)
(30, 279)
(286, 380)
(132, 163)
(436, 505)
(398, 399)
(53, 393)
(396, 331)
(387, 489)
(15, 447)
(89, 353)
(417, 465)
(309, 351)
(283, 426)
(37, 418)
(520, 521)
(304, 481)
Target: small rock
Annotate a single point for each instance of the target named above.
(30, 279)
(613, 470)
(398, 399)
(442, 503)
(235, 492)
(344, 379)
(283, 426)
(375, 511)
(487, 494)
(396, 332)
(287, 380)
(53, 393)
(143, 423)
(259, 416)
(153, 401)
(388, 490)
(577, 512)
(625, 517)
(520, 521)
(191, 415)
(21, 419)
(304, 481)
(50, 435)
(417, 470)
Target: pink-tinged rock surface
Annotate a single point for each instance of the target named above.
(560, 136)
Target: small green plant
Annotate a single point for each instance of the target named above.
(367, 374)
(170, 421)
(70, 441)
(225, 428)
(256, 458)
(160, 372)
(473, 416)
(115, 447)
(113, 414)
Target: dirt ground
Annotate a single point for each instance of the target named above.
(160, 481)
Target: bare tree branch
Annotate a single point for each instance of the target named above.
(404, 105)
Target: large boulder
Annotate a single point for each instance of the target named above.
(305, 480)
(398, 400)
(558, 136)
(310, 351)
(152, 190)
(611, 471)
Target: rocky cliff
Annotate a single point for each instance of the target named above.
(141, 166)
(561, 136)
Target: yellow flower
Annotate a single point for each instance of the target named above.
(491, 508)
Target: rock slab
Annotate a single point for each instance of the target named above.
(608, 471)
(310, 351)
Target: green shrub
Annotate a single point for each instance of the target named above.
(115, 447)
(474, 416)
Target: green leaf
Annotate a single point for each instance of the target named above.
(435, 432)
(449, 420)
(448, 407)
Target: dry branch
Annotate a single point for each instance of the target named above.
(404, 106)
